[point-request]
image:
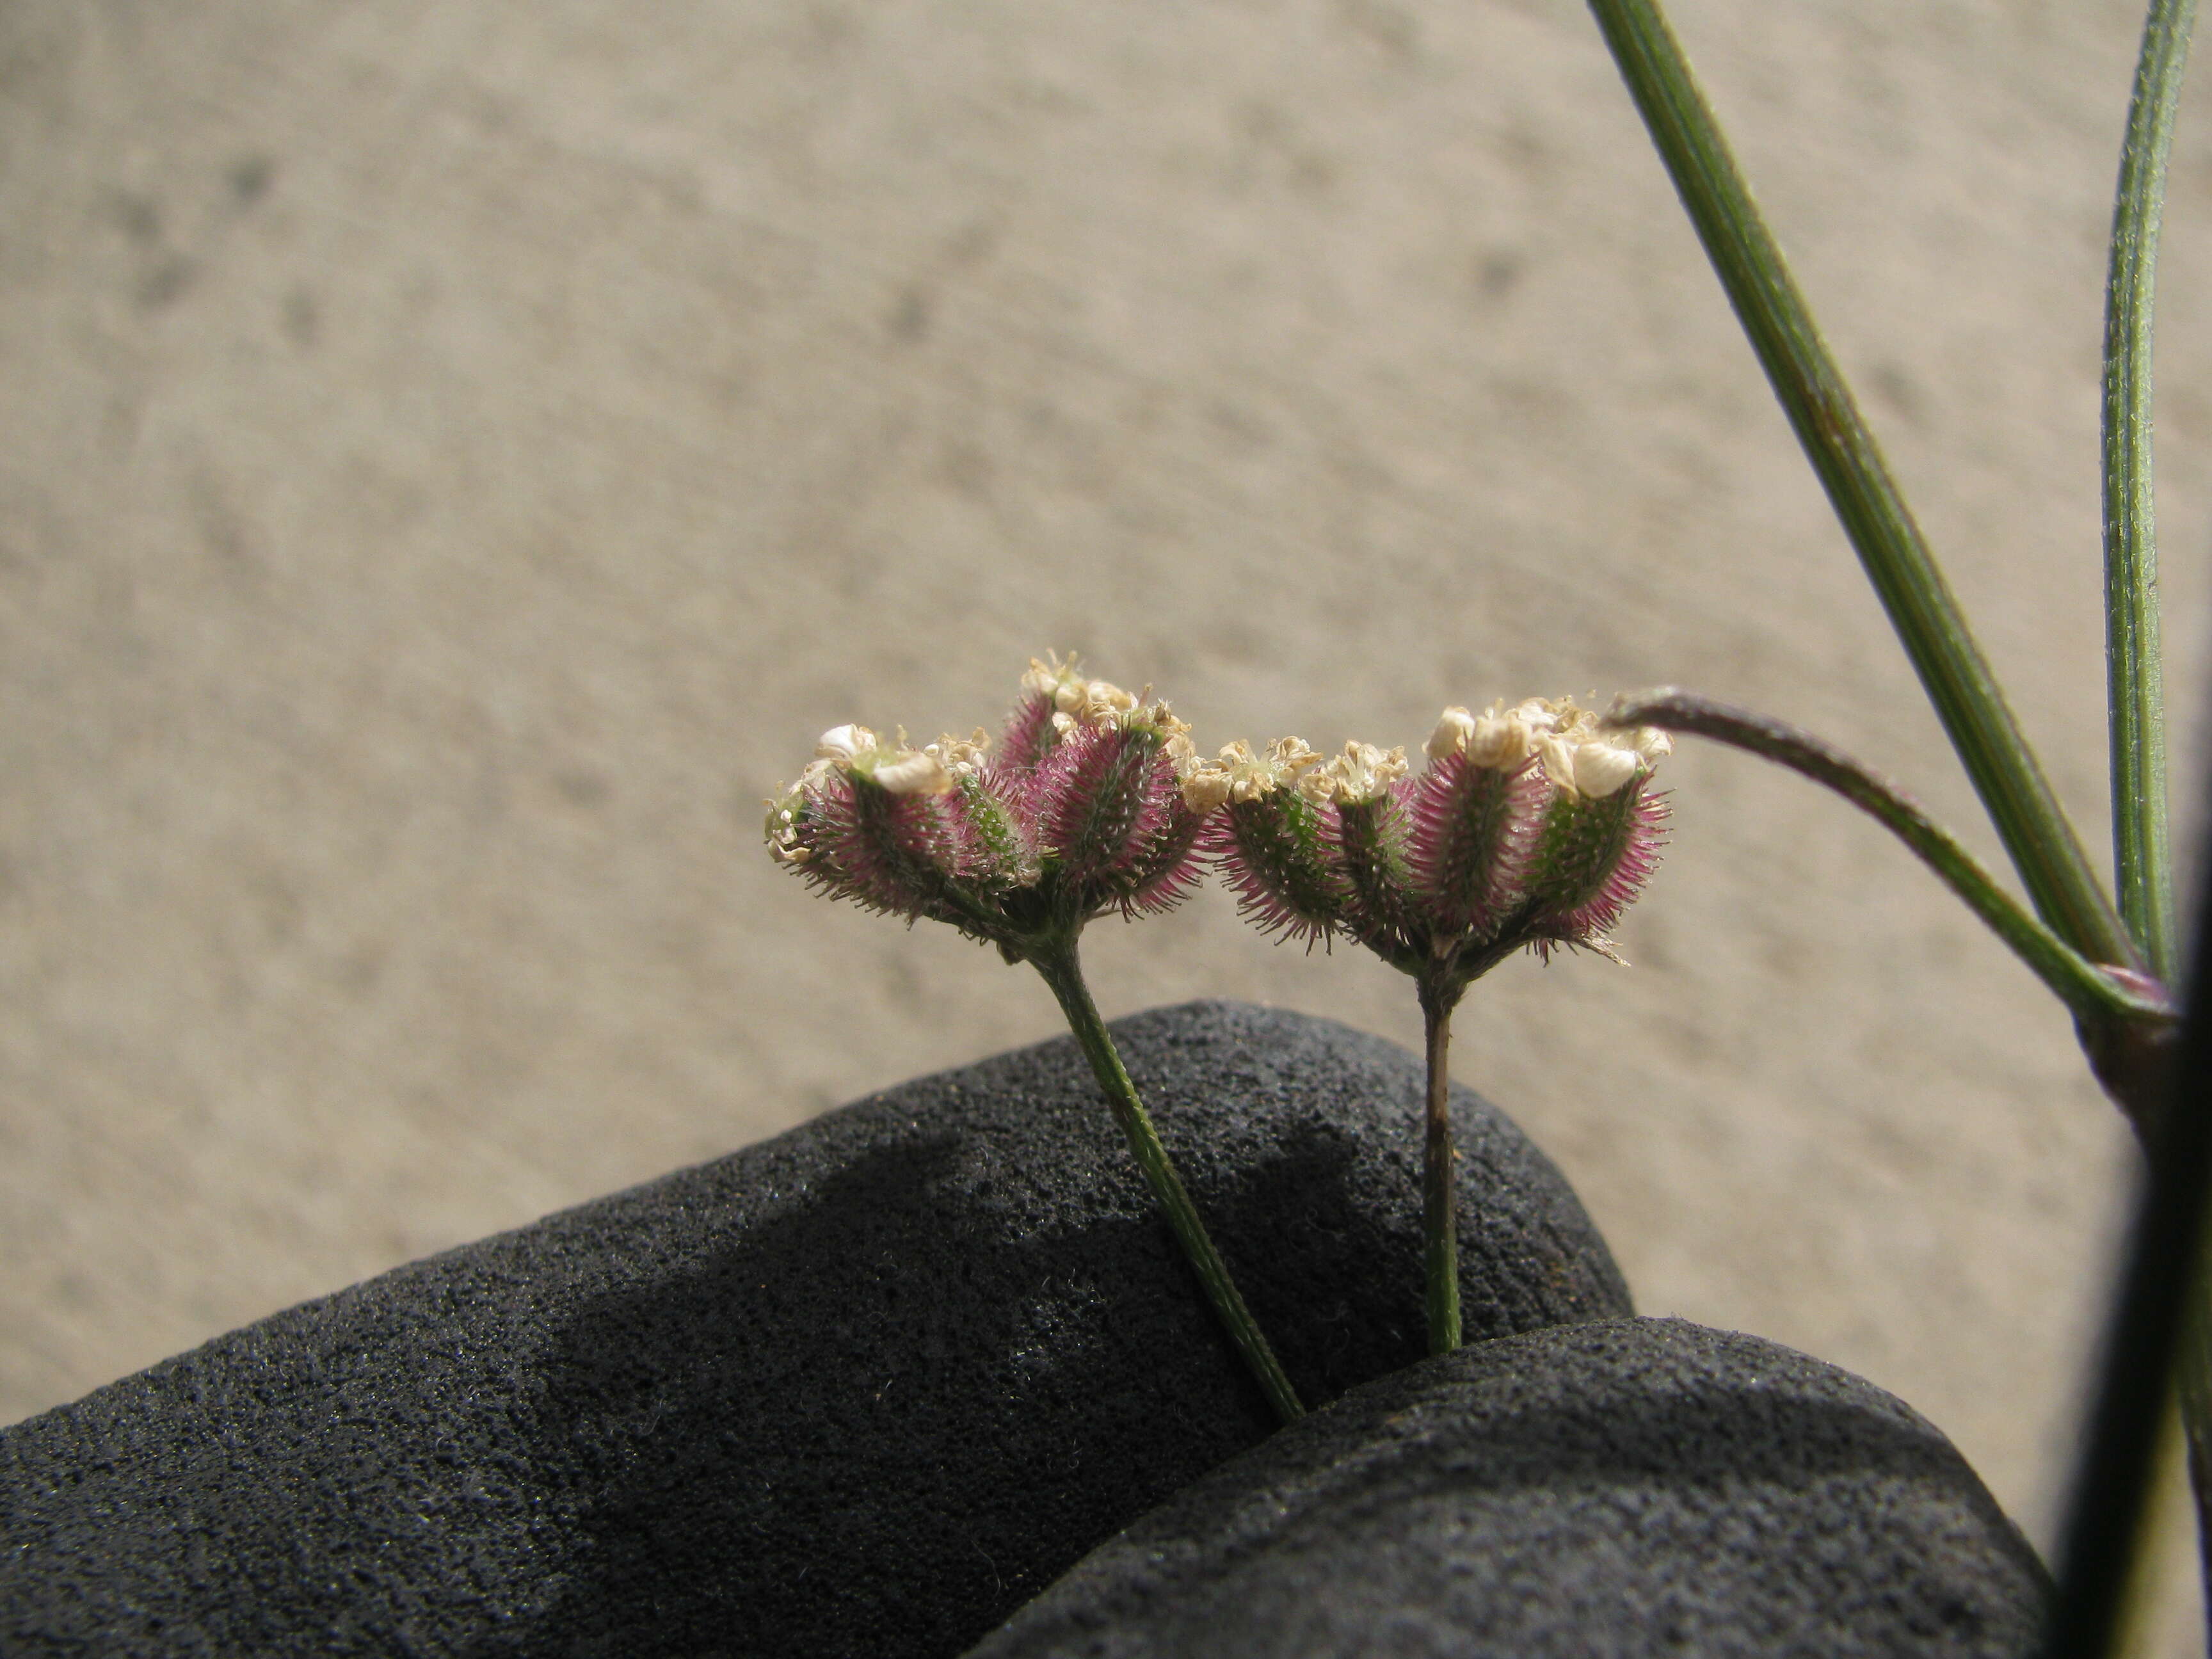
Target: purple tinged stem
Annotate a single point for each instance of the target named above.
(1439, 1181)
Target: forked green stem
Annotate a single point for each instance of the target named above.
(2141, 854)
(1063, 972)
(1439, 1181)
(1813, 394)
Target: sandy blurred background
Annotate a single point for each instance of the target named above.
(454, 457)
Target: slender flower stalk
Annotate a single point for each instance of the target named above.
(1065, 975)
(1089, 805)
(1530, 829)
(1439, 1210)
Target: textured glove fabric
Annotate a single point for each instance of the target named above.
(863, 1389)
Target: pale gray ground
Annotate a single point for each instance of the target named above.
(454, 457)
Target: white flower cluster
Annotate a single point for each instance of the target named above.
(1075, 700)
(1237, 773)
(1364, 772)
(930, 770)
(1581, 753)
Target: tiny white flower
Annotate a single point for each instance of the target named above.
(1205, 788)
(1542, 715)
(1046, 677)
(1165, 719)
(1558, 755)
(1182, 753)
(1362, 773)
(844, 742)
(1249, 776)
(1210, 782)
(961, 756)
(1103, 700)
(1601, 767)
(916, 772)
(1454, 729)
(1498, 740)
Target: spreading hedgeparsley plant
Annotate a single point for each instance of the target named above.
(1085, 806)
(1531, 828)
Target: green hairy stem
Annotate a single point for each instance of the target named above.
(1439, 1179)
(1062, 972)
(1813, 394)
(2141, 854)
(2143, 862)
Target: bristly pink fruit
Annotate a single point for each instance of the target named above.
(1083, 809)
(1529, 827)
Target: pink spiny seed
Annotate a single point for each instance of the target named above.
(1027, 737)
(1367, 846)
(1583, 841)
(1280, 876)
(1474, 829)
(1159, 805)
(997, 837)
(1646, 833)
(889, 852)
(1090, 798)
(1171, 872)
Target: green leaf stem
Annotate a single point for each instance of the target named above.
(2034, 829)
(2143, 861)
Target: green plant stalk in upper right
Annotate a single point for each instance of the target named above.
(2034, 829)
(2141, 855)
(2141, 858)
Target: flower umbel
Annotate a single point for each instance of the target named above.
(1090, 803)
(1531, 827)
(1082, 809)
